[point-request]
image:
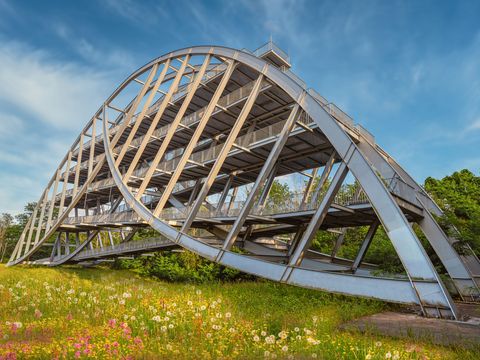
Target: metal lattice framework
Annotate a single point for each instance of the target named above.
(190, 145)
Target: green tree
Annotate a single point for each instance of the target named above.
(22, 219)
(5, 222)
(458, 195)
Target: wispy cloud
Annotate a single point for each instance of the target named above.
(139, 13)
(63, 95)
(475, 125)
(45, 103)
(108, 58)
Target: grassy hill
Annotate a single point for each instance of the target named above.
(101, 313)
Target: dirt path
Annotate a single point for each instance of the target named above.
(442, 332)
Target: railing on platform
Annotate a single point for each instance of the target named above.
(125, 247)
(403, 190)
(271, 46)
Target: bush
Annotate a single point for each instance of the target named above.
(181, 267)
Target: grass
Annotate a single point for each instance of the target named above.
(100, 313)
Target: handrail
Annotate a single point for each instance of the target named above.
(346, 197)
(271, 46)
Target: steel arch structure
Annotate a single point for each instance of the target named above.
(190, 145)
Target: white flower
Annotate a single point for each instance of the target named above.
(209, 335)
(126, 295)
(189, 303)
(83, 293)
(378, 344)
(121, 302)
(256, 338)
(18, 324)
(388, 355)
(314, 355)
(285, 348)
(157, 318)
(170, 326)
(368, 356)
(263, 333)
(198, 292)
(228, 315)
(266, 353)
(296, 329)
(270, 339)
(163, 328)
(203, 307)
(169, 347)
(282, 335)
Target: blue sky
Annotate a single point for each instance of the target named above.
(407, 71)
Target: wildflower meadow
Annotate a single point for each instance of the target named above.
(72, 313)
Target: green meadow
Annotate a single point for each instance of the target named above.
(68, 313)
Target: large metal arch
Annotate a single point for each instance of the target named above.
(423, 286)
(408, 247)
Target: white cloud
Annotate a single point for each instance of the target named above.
(136, 12)
(45, 103)
(11, 125)
(104, 57)
(64, 95)
(475, 125)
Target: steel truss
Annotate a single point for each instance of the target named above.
(176, 144)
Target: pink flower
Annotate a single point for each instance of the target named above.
(38, 313)
(69, 317)
(77, 345)
(112, 323)
(77, 354)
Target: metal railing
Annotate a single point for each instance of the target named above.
(401, 189)
(271, 46)
(125, 247)
(292, 203)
